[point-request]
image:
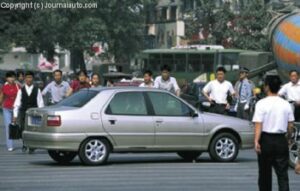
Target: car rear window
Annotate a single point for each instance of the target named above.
(78, 99)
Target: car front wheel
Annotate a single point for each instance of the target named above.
(224, 148)
(94, 151)
(62, 157)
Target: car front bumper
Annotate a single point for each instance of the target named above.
(53, 141)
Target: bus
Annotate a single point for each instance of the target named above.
(188, 64)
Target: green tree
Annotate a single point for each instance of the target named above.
(245, 30)
(117, 22)
(250, 26)
(211, 20)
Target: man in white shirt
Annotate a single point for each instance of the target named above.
(148, 83)
(291, 91)
(217, 91)
(58, 89)
(166, 82)
(273, 119)
(29, 96)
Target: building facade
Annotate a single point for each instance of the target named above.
(165, 20)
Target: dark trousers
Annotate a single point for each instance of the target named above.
(22, 116)
(218, 108)
(297, 113)
(241, 113)
(274, 153)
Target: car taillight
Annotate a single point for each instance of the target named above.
(53, 120)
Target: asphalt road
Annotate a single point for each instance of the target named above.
(138, 172)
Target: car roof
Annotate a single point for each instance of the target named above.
(126, 88)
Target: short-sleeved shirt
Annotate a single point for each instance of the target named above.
(218, 91)
(169, 85)
(144, 85)
(57, 91)
(10, 92)
(76, 85)
(243, 91)
(274, 113)
(291, 91)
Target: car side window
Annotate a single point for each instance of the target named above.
(166, 105)
(127, 103)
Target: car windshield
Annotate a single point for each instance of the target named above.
(78, 99)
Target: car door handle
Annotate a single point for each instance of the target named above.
(112, 121)
(159, 121)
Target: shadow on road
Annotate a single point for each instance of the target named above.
(137, 159)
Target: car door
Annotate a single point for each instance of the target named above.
(175, 127)
(126, 119)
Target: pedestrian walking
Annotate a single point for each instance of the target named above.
(79, 84)
(244, 93)
(217, 91)
(166, 82)
(29, 96)
(148, 80)
(273, 120)
(57, 89)
(291, 91)
(20, 78)
(8, 95)
(95, 80)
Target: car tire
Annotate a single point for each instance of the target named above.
(293, 154)
(94, 151)
(62, 157)
(224, 148)
(189, 155)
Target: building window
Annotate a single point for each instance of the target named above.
(173, 13)
(188, 5)
(164, 14)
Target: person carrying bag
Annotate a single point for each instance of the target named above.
(14, 131)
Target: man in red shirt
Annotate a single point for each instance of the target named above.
(8, 95)
(76, 85)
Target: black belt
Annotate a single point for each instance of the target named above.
(220, 104)
(273, 134)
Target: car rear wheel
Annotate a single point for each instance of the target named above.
(94, 151)
(62, 157)
(224, 148)
(189, 155)
(293, 154)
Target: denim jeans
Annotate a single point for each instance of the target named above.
(7, 118)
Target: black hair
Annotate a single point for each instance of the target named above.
(95, 74)
(29, 73)
(292, 71)
(148, 72)
(165, 67)
(57, 71)
(10, 74)
(82, 72)
(19, 73)
(273, 82)
(221, 69)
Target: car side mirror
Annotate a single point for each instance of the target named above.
(194, 114)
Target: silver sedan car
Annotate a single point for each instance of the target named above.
(93, 123)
